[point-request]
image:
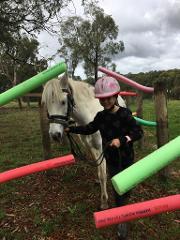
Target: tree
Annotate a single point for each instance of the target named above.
(25, 16)
(70, 43)
(13, 71)
(4, 82)
(27, 65)
(91, 40)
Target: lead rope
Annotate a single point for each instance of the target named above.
(76, 151)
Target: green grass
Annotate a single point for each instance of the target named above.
(59, 204)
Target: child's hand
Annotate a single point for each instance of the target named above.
(115, 143)
(67, 130)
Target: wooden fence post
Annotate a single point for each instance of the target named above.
(45, 132)
(127, 101)
(139, 112)
(160, 99)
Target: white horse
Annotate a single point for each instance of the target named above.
(66, 98)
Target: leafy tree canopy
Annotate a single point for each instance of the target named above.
(171, 79)
(28, 64)
(26, 16)
(90, 39)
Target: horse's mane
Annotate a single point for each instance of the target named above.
(84, 89)
(53, 88)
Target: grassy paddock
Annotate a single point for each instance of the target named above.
(60, 204)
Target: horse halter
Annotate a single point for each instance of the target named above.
(61, 119)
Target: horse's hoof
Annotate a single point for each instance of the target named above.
(122, 231)
(104, 207)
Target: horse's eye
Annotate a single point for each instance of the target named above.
(63, 102)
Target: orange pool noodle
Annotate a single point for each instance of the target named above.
(138, 210)
(36, 167)
(125, 93)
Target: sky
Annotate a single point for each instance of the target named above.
(150, 30)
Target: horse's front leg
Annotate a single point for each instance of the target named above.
(103, 183)
(96, 149)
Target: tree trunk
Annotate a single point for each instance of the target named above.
(19, 100)
(96, 67)
(28, 101)
(20, 103)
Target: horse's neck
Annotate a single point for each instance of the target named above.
(86, 106)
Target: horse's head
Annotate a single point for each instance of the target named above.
(58, 100)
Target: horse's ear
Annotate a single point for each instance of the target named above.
(64, 81)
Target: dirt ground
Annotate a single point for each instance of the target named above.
(59, 204)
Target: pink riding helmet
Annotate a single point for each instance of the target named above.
(106, 87)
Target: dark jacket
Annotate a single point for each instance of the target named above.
(114, 125)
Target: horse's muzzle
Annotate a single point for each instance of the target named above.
(56, 136)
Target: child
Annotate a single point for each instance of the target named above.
(118, 130)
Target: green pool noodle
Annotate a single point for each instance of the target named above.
(145, 123)
(32, 83)
(146, 167)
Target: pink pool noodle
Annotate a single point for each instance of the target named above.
(138, 210)
(126, 80)
(36, 167)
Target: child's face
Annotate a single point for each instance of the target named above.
(108, 102)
